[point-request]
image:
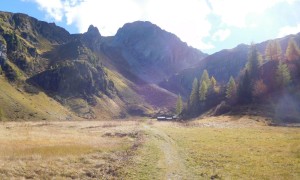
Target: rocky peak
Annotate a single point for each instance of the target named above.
(153, 53)
(93, 31)
(29, 25)
(91, 38)
(140, 31)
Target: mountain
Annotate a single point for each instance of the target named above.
(221, 65)
(266, 87)
(139, 71)
(151, 53)
(90, 75)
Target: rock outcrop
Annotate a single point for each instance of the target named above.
(152, 53)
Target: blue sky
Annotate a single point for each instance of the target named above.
(209, 25)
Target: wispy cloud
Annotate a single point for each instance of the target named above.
(288, 30)
(221, 35)
(108, 16)
(241, 14)
(188, 19)
(53, 8)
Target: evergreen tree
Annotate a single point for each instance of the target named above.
(245, 89)
(179, 105)
(273, 51)
(205, 78)
(251, 74)
(203, 91)
(194, 97)
(253, 62)
(231, 89)
(292, 51)
(283, 77)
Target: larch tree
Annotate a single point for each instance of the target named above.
(292, 51)
(214, 84)
(203, 91)
(194, 97)
(179, 105)
(260, 88)
(283, 76)
(231, 89)
(205, 78)
(213, 81)
(273, 51)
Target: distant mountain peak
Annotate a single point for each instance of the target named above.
(93, 31)
(152, 53)
(141, 25)
(144, 30)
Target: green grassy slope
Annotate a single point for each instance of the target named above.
(16, 104)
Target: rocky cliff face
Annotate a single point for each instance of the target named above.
(76, 78)
(70, 67)
(150, 52)
(30, 28)
(48, 57)
(92, 38)
(27, 39)
(6, 68)
(3, 49)
(122, 71)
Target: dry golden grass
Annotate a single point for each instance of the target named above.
(237, 148)
(65, 149)
(18, 105)
(226, 147)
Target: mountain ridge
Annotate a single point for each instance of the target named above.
(152, 53)
(139, 71)
(51, 59)
(221, 65)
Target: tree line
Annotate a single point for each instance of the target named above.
(262, 75)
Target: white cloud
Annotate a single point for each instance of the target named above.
(292, 1)
(242, 14)
(206, 45)
(186, 20)
(53, 8)
(108, 16)
(221, 35)
(288, 30)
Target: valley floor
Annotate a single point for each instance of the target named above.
(213, 148)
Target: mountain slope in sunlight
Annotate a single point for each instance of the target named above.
(87, 73)
(221, 65)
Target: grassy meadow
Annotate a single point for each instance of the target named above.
(212, 148)
(239, 152)
(65, 150)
